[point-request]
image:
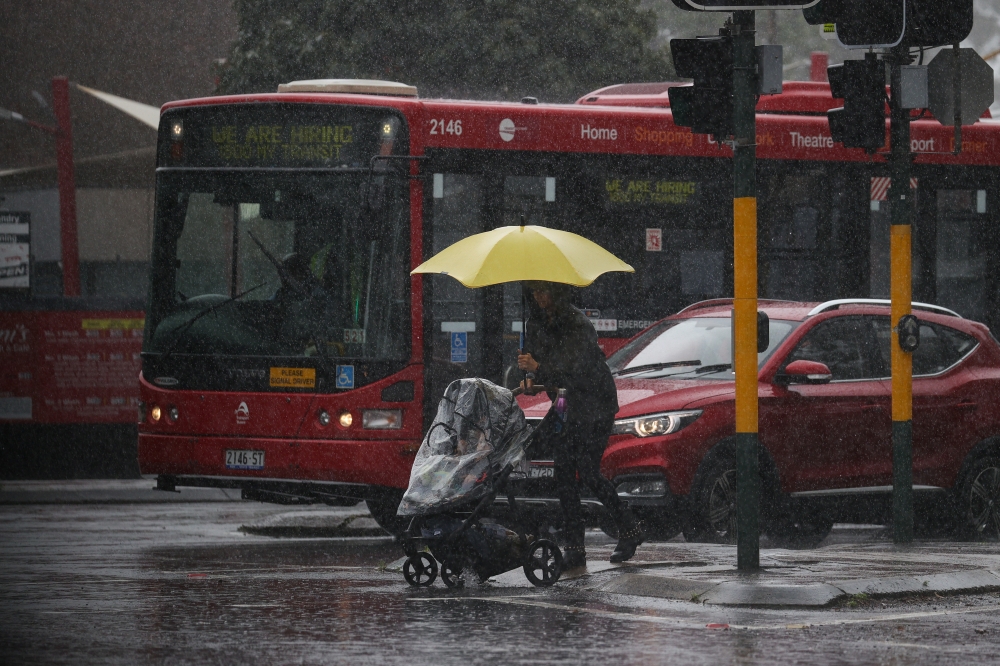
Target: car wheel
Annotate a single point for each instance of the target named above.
(383, 508)
(712, 517)
(799, 528)
(979, 500)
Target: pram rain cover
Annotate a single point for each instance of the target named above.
(479, 427)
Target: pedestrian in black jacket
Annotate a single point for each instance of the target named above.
(563, 354)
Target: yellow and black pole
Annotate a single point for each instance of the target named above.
(745, 291)
(901, 294)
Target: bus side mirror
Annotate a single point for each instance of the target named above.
(908, 330)
(763, 332)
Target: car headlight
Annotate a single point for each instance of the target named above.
(656, 424)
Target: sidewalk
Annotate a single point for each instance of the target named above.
(869, 565)
(106, 491)
(856, 562)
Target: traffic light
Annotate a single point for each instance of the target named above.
(885, 23)
(860, 123)
(707, 106)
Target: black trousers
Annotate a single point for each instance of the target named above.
(579, 453)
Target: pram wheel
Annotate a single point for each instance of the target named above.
(420, 570)
(544, 563)
(451, 575)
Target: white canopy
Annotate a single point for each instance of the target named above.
(144, 113)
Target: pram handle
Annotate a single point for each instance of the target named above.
(534, 389)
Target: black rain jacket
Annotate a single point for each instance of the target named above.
(565, 347)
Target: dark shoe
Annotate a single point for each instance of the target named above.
(628, 541)
(574, 557)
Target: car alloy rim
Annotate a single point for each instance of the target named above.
(722, 505)
(984, 502)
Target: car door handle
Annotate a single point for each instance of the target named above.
(967, 406)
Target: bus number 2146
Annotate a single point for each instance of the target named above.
(441, 126)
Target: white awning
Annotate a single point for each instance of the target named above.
(144, 113)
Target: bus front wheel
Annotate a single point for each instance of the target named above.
(383, 505)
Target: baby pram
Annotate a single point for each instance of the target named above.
(476, 442)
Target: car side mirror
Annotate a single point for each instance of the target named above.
(805, 372)
(763, 332)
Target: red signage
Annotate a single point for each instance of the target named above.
(70, 367)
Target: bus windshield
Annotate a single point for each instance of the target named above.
(281, 263)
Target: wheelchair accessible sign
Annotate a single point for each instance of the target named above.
(460, 347)
(345, 377)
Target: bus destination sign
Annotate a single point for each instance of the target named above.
(283, 143)
(278, 135)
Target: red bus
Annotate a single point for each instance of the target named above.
(288, 351)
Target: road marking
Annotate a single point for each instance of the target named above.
(254, 605)
(659, 619)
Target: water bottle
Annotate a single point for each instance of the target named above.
(560, 410)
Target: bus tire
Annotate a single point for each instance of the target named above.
(383, 505)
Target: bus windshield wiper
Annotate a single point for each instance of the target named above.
(184, 328)
(654, 366)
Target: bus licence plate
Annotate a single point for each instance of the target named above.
(244, 459)
(540, 472)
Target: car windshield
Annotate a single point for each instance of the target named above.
(696, 348)
(281, 264)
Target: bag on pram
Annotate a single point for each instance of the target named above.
(476, 441)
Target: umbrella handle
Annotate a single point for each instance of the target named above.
(529, 377)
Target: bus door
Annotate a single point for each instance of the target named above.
(475, 332)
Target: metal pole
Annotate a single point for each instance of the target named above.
(67, 186)
(745, 291)
(901, 292)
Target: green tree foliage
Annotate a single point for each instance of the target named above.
(556, 50)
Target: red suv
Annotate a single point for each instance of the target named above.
(824, 421)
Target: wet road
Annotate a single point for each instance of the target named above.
(177, 583)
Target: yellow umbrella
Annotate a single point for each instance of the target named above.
(511, 254)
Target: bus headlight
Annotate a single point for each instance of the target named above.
(655, 424)
(155, 413)
(382, 419)
(346, 419)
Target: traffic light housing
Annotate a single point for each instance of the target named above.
(707, 105)
(915, 23)
(860, 123)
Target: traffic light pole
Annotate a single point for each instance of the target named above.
(745, 290)
(901, 293)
